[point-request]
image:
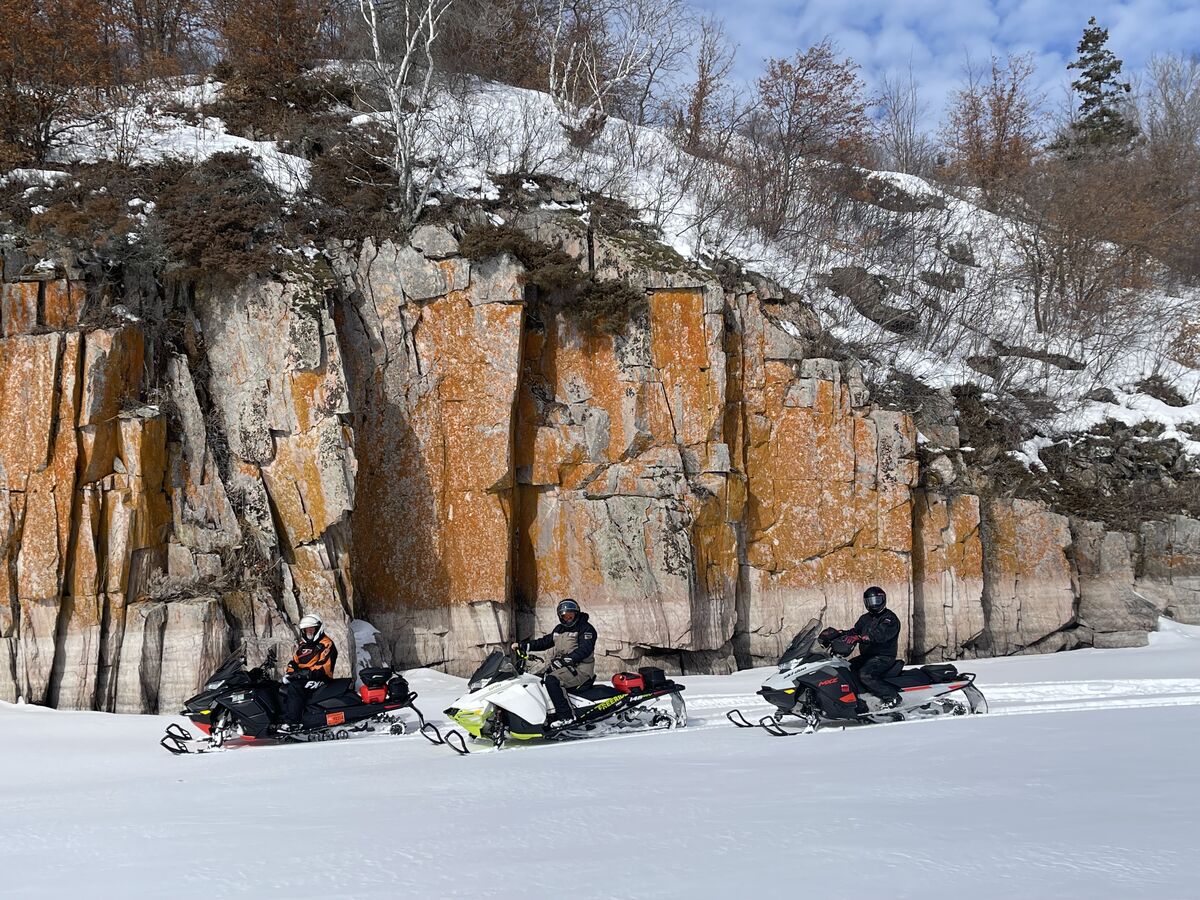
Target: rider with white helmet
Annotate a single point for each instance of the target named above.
(310, 666)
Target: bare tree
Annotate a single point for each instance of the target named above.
(600, 52)
(904, 145)
(806, 108)
(402, 37)
(1169, 102)
(709, 110)
(993, 126)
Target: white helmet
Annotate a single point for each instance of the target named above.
(311, 622)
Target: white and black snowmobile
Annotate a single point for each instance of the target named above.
(239, 706)
(503, 702)
(815, 689)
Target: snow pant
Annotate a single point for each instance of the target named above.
(558, 683)
(295, 698)
(870, 672)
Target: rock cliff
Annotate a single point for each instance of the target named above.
(407, 435)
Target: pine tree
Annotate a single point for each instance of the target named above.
(1101, 125)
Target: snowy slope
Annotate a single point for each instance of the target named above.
(1081, 784)
(496, 129)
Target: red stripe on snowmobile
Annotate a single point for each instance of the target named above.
(207, 729)
(919, 687)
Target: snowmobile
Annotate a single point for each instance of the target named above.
(240, 705)
(503, 701)
(814, 689)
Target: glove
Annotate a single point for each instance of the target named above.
(853, 638)
(312, 685)
(561, 663)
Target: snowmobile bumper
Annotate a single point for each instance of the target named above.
(783, 699)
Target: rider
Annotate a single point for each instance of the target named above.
(310, 666)
(572, 659)
(876, 633)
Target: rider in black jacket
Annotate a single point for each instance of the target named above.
(571, 662)
(876, 633)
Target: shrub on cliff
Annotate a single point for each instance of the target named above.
(595, 305)
(355, 195)
(222, 219)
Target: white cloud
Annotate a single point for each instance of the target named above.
(938, 36)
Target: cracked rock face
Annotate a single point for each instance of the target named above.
(120, 523)
(622, 496)
(1029, 585)
(402, 440)
(433, 381)
(948, 575)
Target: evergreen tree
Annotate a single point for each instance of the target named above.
(1102, 124)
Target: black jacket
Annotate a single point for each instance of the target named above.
(584, 650)
(882, 633)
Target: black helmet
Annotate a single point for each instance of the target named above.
(874, 599)
(567, 606)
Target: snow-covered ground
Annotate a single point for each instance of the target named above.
(1081, 783)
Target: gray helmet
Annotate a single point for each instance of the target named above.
(566, 606)
(875, 599)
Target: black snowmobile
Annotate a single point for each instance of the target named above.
(246, 705)
(815, 689)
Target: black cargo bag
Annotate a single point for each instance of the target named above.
(940, 672)
(653, 677)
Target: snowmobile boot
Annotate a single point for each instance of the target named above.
(890, 702)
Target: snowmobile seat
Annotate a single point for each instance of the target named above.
(910, 678)
(595, 692)
(331, 689)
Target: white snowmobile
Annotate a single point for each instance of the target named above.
(815, 689)
(504, 702)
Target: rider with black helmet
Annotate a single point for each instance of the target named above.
(876, 634)
(571, 662)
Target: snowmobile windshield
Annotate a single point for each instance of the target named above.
(234, 663)
(495, 668)
(801, 644)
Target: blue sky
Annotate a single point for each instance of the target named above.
(885, 35)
